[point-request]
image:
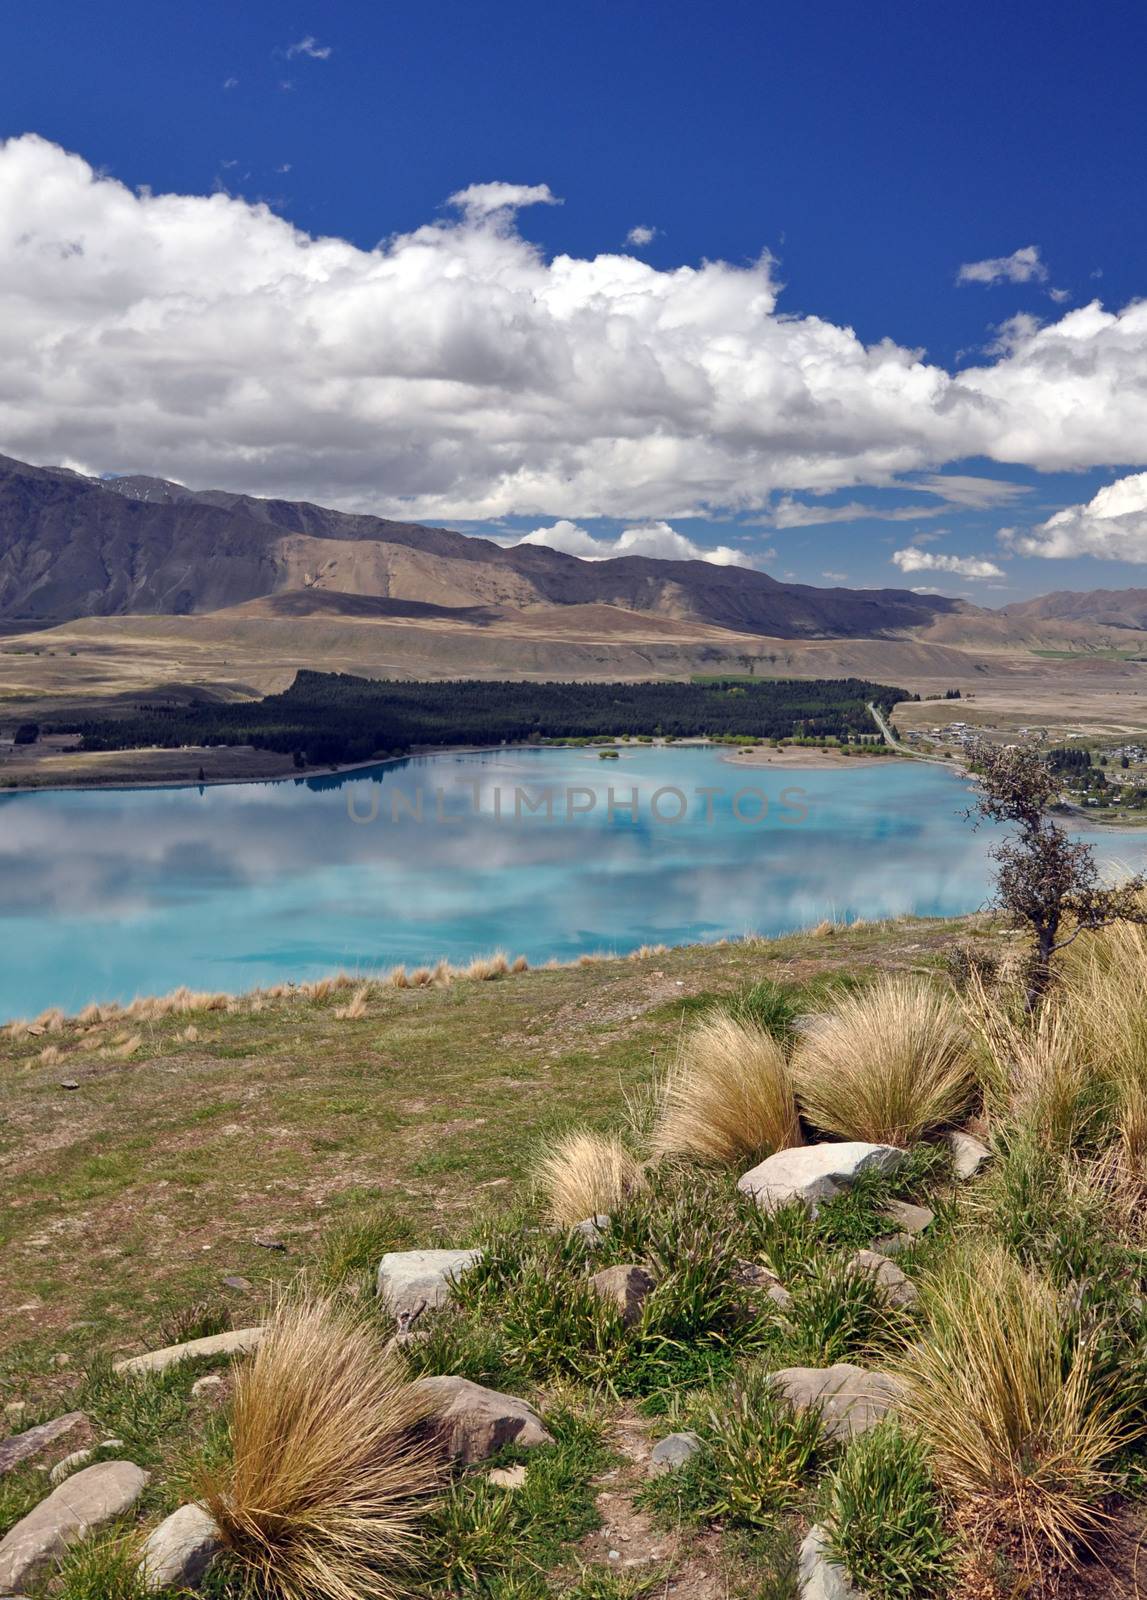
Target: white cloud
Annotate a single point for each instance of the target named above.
(458, 372)
(1112, 525)
(641, 235)
(230, 83)
(489, 199)
(310, 46)
(790, 513)
(1059, 295)
(962, 489)
(835, 577)
(655, 539)
(1022, 266)
(915, 560)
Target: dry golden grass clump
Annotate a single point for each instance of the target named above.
(886, 1065)
(1035, 1070)
(729, 1097)
(1022, 1435)
(355, 1006)
(328, 1482)
(585, 1174)
(646, 951)
(486, 968)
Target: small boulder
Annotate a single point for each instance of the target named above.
(815, 1172)
(672, 1452)
(592, 1229)
(239, 1342)
(820, 1578)
(755, 1276)
(86, 1501)
(210, 1383)
(23, 1446)
(968, 1154)
(627, 1287)
(909, 1218)
(80, 1458)
(507, 1477)
(850, 1400)
(177, 1553)
(899, 1290)
(413, 1281)
(472, 1423)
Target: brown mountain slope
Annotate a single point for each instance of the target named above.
(73, 546)
(1113, 608)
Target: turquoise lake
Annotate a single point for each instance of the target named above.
(113, 893)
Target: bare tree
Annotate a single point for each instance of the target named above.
(1045, 881)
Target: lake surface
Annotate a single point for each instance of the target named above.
(111, 893)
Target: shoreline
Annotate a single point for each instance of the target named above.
(795, 757)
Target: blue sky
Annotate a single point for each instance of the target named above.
(871, 152)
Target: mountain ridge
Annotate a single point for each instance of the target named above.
(74, 546)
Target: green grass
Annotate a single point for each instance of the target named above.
(884, 1519)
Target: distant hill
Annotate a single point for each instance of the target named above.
(1110, 608)
(73, 546)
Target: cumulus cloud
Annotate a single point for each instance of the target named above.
(1112, 525)
(641, 235)
(655, 539)
(1022, 266)
(915, 560)
(310, 46)
(457, 371)
(489, 199)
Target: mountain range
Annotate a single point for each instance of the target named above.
(73, 546)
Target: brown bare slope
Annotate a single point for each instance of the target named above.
(72, 546)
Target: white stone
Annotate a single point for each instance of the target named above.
(814, 1172)
(239, 1342)
(177, 1553)
(820, 1578)
(968, 1154)
(673, 1451)
(413, 1281)
(85, 1501)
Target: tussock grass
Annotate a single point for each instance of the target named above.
(647, 951)
(729, 1096)
(1021, 1429)
(585, 1174)
(486, 968)
(355, 1006)
(887, 1065)
(328, 1484)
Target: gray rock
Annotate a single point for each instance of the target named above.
(899, 1290)
(80, 1458)
(209, 1384)
(815, 1172)
(177, 1553)
(968, 1154)
(627, 1287)
(850, 1399)
(413, 1281)
(471, 1423)
(673, 1451)
(592, 1229)
(820, 1578)
(239, 1342)
(22, 1446)
(755, 1276)
(81, 1504)
(909, 1218)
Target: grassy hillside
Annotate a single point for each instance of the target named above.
(173, 1167)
